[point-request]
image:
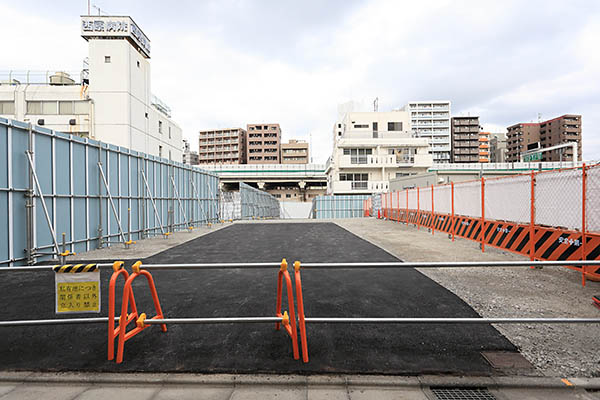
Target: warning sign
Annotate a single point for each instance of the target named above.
(78, 293)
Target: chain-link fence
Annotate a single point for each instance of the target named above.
(546, 214)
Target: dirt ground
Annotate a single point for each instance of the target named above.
(563, 350)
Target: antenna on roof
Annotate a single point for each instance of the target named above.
(376, 104)
(539, 117)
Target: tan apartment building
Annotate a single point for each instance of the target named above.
(264, 144)
(222, 146)
(530, 136)
(294, 152)
(465, 139)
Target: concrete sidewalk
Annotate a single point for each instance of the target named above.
(80, 386)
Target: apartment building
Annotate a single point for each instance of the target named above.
(294, 152)
(529, 136)
(264, 144)
(370, 148)
(497, 147)
(431, 120)
(465, 139)
(109, 100)
(563, 129)
(222, 146)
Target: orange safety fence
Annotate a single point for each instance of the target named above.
(125, 318)
(550, 215)
(289, 323)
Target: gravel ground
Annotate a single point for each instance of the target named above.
(555, 350)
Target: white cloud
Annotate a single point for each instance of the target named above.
(228, 63)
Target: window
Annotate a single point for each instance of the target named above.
(65, 107)
(354, 177)
(49, 107)
(169, 132)
(34, 107)
(394, 126)
(159, 150)
(159, 126)
(107, 59)
(361, 125)
(287, 195)
(138, 64)
(7, 107)
(42, 107)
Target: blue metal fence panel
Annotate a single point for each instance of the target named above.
(338, 206)
(76, 197)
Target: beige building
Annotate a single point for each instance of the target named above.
(371, 148)
(264, 144)
(498, 147)
(222, 146)
(294, 152)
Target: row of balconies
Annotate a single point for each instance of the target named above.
(474, 122)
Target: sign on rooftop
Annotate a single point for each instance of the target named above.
(104, 26)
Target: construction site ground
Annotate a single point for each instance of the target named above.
(449, 352)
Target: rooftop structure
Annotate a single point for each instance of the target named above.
(109, 100)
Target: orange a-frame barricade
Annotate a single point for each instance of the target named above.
(300, 301)
(289, 323)
(126, 318)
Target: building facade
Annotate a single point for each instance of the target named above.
(264, 144)
(564, 129)
(431, 120)
(222, 146)
(370, 149)
(190, 157)
(497, 147)
(529, 136)
(294, 152)
(465, 139)
(110, 100)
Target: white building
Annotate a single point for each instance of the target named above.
(109, 101)
(431, 120)
(370, 149)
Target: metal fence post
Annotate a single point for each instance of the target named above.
(453, 218)
(100, 231)
(532, 219)
(482, 232)
(29, 203)
(418, 208)
(583, 217)
(432, 214)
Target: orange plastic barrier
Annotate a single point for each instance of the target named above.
(288, 323)
(112, 332)
(125, 318)
(300, 301)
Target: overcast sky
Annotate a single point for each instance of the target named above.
(221, 64)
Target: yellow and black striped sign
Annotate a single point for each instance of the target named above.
(74, 269)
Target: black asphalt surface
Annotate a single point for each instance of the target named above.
(253, 348)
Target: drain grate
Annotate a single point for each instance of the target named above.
(453, 393)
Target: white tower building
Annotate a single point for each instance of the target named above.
(110, 101)
(431, 120)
